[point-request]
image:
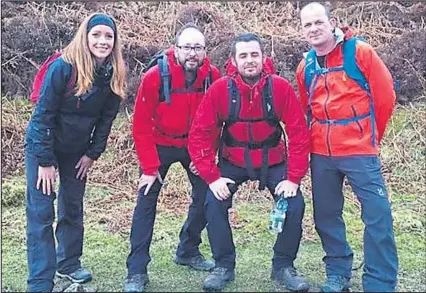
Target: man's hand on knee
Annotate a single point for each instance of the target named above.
(220, 188)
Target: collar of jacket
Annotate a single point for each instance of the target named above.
(103, 74)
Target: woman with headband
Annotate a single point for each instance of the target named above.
(66, 134)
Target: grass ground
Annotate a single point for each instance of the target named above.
(108, 211)
(105, 252)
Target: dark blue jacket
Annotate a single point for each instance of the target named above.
(75, 124)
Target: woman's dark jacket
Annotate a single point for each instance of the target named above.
(73, 124)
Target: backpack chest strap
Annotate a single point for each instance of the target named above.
(187, 90)
(343, 121)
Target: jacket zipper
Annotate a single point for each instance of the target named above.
(250, 133)
(325, 109)
(78, 102)
(188, 117)
(357, 122)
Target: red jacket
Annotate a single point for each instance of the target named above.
(213, 111)
(154, 122)
(337, 96)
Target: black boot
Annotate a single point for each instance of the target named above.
(336, 283)
(197, 262)
(290, 279)
(136, 283)
(218, 279)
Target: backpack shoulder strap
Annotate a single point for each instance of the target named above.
(310, 65)
(268, 103)
(154, 60)
(165, 78)
(208, 80)
(350, 66)
(234, 102)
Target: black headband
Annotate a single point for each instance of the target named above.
(101, 19)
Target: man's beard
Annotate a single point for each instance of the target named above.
(192, 69)
(251, 79)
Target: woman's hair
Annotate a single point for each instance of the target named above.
(78, 54)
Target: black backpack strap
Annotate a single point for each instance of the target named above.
(234, 102)
(187, 90)
(165, 79)
(272, 119)
(268, 103)
(234, 105)
(208, 81)
(154, 60)
(166, 84)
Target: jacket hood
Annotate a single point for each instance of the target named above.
(346, 31)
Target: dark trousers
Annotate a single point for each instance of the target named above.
(43, 258)
(220, 233)
(364, 176)
(145, 211)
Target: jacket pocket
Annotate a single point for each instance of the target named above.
(361, 130)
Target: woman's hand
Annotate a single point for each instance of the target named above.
(83, 166)
(46, 179)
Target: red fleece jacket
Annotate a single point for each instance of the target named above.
(154, 122)
(213, 111)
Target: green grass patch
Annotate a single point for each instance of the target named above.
(105, 253)
(13, 192)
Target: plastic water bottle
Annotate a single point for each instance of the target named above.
(278, 215)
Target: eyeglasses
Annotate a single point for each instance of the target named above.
(186, 49)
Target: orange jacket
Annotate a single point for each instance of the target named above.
(336, 96)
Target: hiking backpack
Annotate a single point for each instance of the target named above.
(41, 73)
(269, 115)
(161, 59)
(352, 70)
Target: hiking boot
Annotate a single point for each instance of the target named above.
(336, 283)
(136, 283)
(218, 278)
(290, 279)
(196, 262)
(82, 275)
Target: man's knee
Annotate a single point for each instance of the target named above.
(377, 211)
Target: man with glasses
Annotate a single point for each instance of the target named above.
(160, 131)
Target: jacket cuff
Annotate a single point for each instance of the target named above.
(150, 171)
(212, 177)
(42, 162)
(294, 179)
(92, 155)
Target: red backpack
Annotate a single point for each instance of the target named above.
(39, 78)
